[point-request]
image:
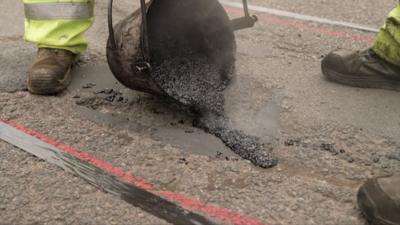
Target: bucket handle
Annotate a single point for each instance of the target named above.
(142, 64)
(246, 21)
(110, 24)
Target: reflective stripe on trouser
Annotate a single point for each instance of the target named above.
(58, 23)
(387, 43)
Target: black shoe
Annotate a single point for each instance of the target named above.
(51, 71)
(363, 69)
(379, 200)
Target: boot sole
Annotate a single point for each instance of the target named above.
(367, 206)
(360, 81)
(49, 87)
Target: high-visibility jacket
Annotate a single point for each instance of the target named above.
(58, 23)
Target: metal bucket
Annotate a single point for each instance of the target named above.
(137, 45)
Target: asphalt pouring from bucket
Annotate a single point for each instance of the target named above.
(198, 84)
(192, 52)
(193, 55)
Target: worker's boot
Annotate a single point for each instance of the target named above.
(379, 200)
(51, 71)
(361, 69)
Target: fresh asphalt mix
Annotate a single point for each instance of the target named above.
(330, 138)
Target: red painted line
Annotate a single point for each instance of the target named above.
(212, 211)
(305, 26)
(83, 156)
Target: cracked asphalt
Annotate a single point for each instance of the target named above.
(330, 138)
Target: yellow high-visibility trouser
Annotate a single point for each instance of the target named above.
(58, 23)
(387, 43)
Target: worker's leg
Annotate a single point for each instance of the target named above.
(379, 198)
(387, 44)
(377, 67)
(58, 23)
(57, 27)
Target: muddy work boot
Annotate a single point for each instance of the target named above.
(51, 71)
(379, 200)
(363, 69)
